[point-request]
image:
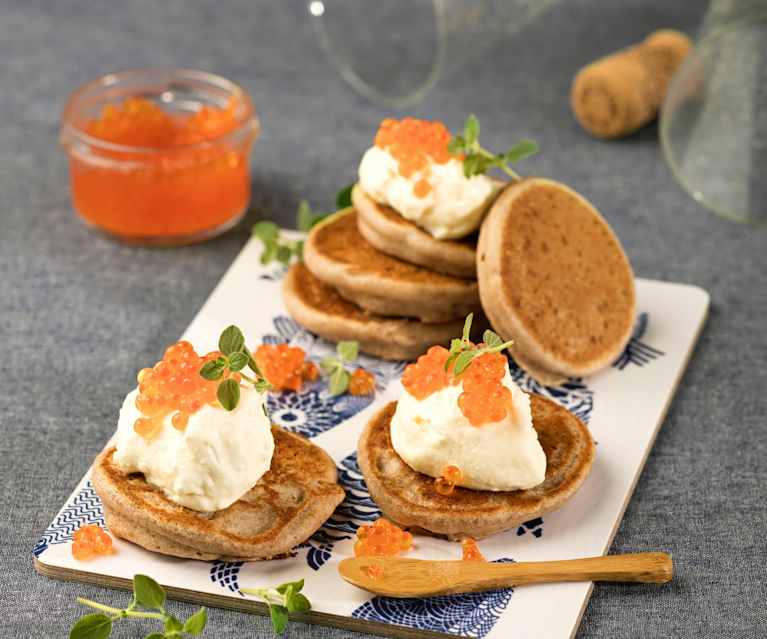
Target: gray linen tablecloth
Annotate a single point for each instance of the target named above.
(79, 314)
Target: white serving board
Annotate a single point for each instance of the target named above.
(623, 405)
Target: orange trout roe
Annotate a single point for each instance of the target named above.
(362, 382)
(484, 398)
(415, 144)
(174, 385)
(382, 539)
(284, 367)
(428, 374)
(445, 484)
(471, 551)
(375, 571)
(91, 541)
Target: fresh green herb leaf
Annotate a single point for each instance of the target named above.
(284, 254)
(172, 624)
(213, 369)
(231, 341)
(269, 253)
(348, 350)
(298, 603)
(228, 394)
(238, 361)
(456, 345)
(344, 197)
(267, 232)
(95, 626)
(297, 586)
(339, 382)
(471, 131)
(148, 593)
(196, 623)
(478, 160)
(262, 385)
(491, 339)
(521, 151)
(463, 360)
(328, 364)
(305, 219)
(279, 616)
(467, 327)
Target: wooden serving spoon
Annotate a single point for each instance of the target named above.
(400, 577)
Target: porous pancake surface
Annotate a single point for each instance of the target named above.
(409, 497)
(285, 507)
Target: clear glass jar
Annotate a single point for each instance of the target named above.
(187, 188)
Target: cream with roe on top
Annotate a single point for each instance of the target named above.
(410, 169)
(461, 409)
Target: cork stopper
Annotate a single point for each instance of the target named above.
(621, 92)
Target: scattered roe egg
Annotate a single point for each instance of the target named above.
(362, 382)
(382, 539)
(174, 385)
(415, 144)
(471, 551)
(445, 484)
(157, 186)
(484, 398)
(284, 367)
(91, 541)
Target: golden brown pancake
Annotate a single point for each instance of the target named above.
(392, 234)
(554, 278)
(319, 308)
(409, 498)
(287, 505)
(336, 253)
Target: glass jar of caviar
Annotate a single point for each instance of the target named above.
(160, 156)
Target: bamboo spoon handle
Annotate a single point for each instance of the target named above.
(404, 577)
(648, 567)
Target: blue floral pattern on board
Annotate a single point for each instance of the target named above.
(226, 574)
(636, 351)
(535, 526)
(85, 508)
(356, 509)
(466, 615)
(313, 410)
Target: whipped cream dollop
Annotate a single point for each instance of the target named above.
(432, 433)
(453, 207)
(208, 466)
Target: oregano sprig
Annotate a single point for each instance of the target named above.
(478, 160)
(282, 600)
(462, 352)
(148, 602)
(335, 366)
(234, 358)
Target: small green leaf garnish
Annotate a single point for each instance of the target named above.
(281, 600)
(344, 197)
(478, 160)
(334, 366)
(463, 353)
(235, 358)
(148, 593)
(150, 597)
(228, 394)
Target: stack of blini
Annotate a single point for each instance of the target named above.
(419, 250)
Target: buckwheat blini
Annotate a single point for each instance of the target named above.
(554, 278)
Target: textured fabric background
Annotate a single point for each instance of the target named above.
(79, 314)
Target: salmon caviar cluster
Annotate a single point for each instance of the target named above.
(382, 539)
(285, 367)
(445, 484)
(428, 374)
(375, 571)
(415, 144)
(174, 385)
(484, 398)
(91, 541)
(362, 382)
(141, 122)
(471, 551)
